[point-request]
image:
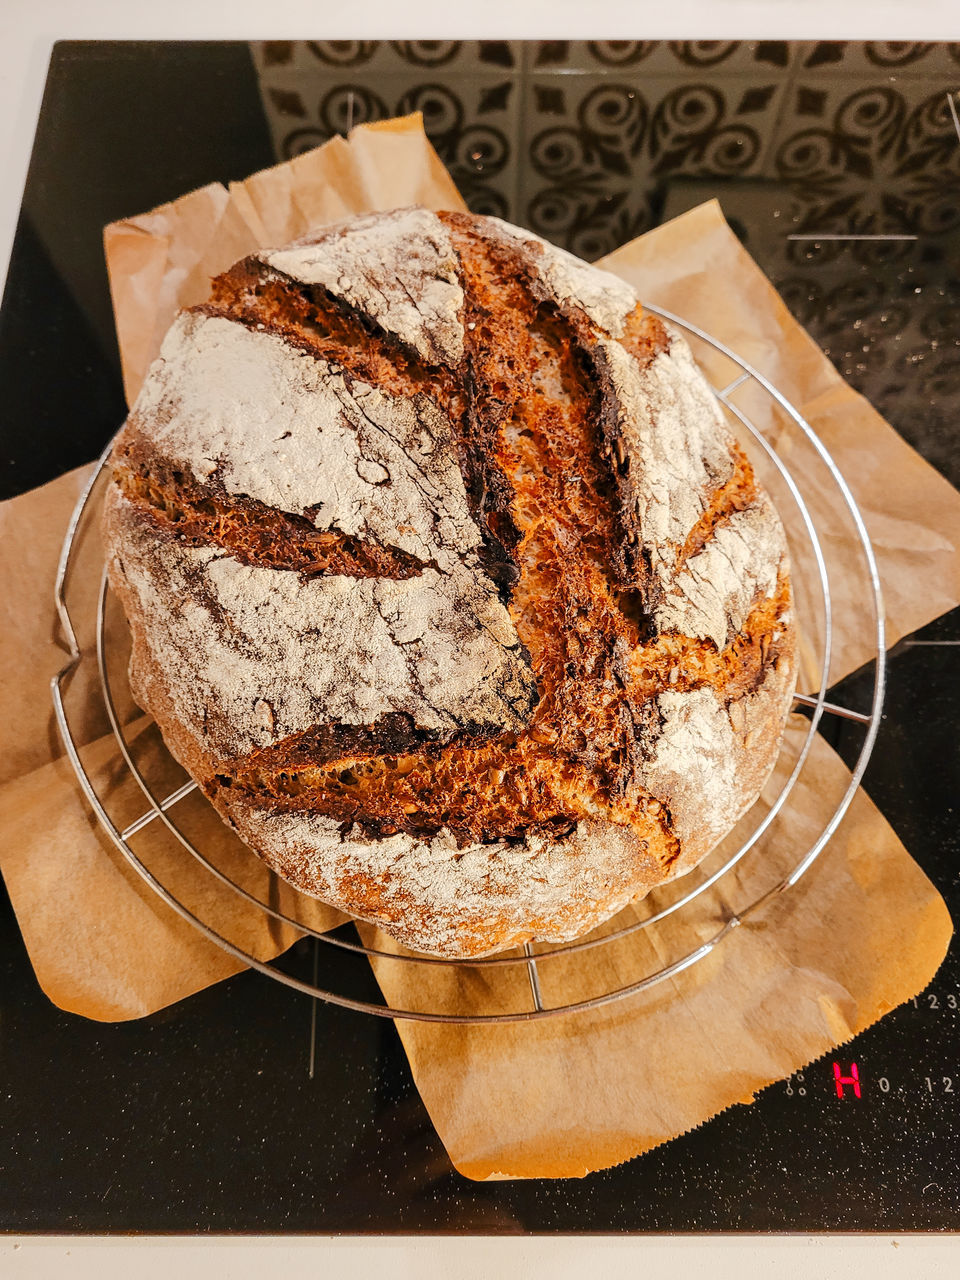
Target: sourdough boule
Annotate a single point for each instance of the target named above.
(447, 582)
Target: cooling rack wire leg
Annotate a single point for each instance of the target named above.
(812, 700)
(732, 386)
(149, 816)
(534, 978)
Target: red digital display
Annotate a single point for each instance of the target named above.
(852, 1079)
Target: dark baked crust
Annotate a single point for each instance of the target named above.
(624, 688)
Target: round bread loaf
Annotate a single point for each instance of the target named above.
(447, 582)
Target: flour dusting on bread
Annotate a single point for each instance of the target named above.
(448, 582)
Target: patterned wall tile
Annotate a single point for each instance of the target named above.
(870, 158)
(578, 138)
(878, 58)
(475, 56)
(663, 57)
(473, 121)
(600, 148)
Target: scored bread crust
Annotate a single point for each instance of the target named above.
(447, 582)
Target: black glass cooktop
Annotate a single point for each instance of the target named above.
(206, 1116)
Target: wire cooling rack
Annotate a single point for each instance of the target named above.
(817, 621)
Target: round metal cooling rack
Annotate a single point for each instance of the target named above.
(159, 807)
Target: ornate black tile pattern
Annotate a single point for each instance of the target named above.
(579, 139)
(875, 160)
(466, 90)
(723, 56)
(388, 54)
(906, 57)
(600, 147)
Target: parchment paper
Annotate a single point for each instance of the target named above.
(163, 260)
(862, 932)
(858, 934)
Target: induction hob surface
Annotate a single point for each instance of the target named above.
(250, 1107)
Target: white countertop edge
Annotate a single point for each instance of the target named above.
(848, 1257)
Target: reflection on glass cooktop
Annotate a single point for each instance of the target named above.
(839, 166)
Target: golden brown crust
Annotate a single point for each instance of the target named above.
(613, 719)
